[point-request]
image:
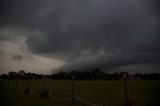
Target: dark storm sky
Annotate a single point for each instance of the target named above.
(114, 35)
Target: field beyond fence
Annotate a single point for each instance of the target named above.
(99, 92)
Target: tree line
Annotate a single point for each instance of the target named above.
(95, 74)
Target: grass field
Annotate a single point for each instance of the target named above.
(100, 93)
(12, 98)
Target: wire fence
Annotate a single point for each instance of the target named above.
(113, 93)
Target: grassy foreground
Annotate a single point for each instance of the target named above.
(100, 93)
(13, 98)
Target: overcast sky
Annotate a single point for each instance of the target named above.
(45, 36)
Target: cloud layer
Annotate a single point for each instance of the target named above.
(88, 33)
(15, 54)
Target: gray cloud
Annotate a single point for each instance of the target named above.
(17, 57)
(89, 33)
(107, 62)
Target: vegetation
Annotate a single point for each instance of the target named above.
(79, 88)
(98, 92)
(12, 98)
(84, 75)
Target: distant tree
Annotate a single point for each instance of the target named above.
(98, 74)
(22, 74)
(86, 75)
(138, 75)
(76, 74)
(155, 76)
(96, 71)
(12, 75)
(61, 75)
(30, 75)
(4, 76)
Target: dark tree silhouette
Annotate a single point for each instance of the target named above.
(12, 75)
(22, 74)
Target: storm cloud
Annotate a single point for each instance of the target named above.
(87, 34)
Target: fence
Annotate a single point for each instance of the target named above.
(99, 92)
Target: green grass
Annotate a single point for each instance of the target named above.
(107, 93)
(12, 98)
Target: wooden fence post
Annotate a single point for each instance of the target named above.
(8, 83)
(73, 88)
(43, 86)
(27, 85)
(16, 82)
(125, 90)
